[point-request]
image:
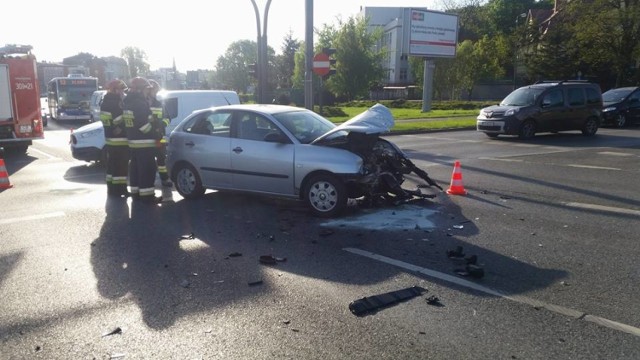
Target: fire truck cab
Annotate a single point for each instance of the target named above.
(20, 115)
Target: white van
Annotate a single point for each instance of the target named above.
(87, 142)
(94, 105)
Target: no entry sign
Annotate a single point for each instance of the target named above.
(321, 65)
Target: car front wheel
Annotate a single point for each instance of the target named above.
(326, 195)
(187, 182)
(621, 121)
(590, 127)
(527, 130)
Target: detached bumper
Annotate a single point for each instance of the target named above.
(86, 153)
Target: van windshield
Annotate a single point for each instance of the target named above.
(522, 97)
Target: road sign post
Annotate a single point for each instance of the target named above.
(321, 64)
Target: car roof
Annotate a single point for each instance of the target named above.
(264, 108)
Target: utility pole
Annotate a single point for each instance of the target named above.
(308, 62)
(263, 58)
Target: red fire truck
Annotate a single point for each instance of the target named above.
(20, 115)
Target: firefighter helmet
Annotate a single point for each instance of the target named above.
(116, 84)
(154, 85)
(139, 83)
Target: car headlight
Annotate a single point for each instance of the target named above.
(89, 134)
(610, 108)
(511, 112)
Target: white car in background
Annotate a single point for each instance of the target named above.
(87, 142)
(44, 110)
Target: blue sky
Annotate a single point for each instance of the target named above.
(193, 32)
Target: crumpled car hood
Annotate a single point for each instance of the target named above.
(375, 120)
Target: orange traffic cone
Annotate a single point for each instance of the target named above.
(4, 176)
(456, 187)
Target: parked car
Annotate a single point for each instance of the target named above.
(94, 104)
(44, 110)
(545, 107)
(621, 106)
(87, 142)
(290, 152)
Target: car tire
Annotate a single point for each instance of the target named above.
(326, 195)
(187, 181)
(620, 121)
(492, 135)
(45, 121)
(527, 130)
(590, 127)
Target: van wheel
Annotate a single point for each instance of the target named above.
(527, 130)
(590, 127)
(491, 135)
(621, 121)
(188, 181)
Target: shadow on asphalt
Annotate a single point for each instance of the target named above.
(141, 253)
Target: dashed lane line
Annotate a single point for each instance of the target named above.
(612, 209)
(577, 314)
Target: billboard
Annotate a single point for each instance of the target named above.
(433, 33)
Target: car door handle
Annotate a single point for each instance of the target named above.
(237, 150)
(189, 144)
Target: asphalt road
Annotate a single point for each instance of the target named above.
(552, 221)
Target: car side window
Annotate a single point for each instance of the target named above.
(553, 98)
(576, 97)
(198, 125)
(593, 96)
(635, 98)
(219, 124)
(254, 127)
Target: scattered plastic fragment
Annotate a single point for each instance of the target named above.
(235, 254)
(254, 283)
(185, 283)
(372, 303)
(471, 270)
(434, 301)
(286, 322)
(115, 331)
(188, 237)
(267, 259)
(458, 226)
(471, 259)
(117, 356)
(564, 283)
(457, 253)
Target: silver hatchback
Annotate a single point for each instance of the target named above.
(288, 151)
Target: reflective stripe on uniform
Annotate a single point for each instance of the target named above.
(127, 115)
(145, 143)
(117, 141)
(119, 180)
(162, 169)
(147, 191)
(146, 128)
(167, 121)
(105, 117)
(157, 112)
(118, 120)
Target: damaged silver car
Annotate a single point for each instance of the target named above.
(291, 152)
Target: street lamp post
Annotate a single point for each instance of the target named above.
(263, 58)
(515, 51)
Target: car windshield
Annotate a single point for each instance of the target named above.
(615, 95)
(305, 125)
(522, 97)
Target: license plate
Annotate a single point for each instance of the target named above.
(25, 128)
(489, 123)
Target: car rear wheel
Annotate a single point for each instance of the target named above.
(590, 127)
(527, 130)
(491, 135)
(326, 195)
(187, 181)
(620, 121)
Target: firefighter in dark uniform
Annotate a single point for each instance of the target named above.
(142, 142)
(159, 126)
(116, 144)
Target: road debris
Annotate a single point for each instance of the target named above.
(255, 282)
(457, 253)
(372, 303)
(188, 237)
(185, 283)
(235, 254)
(434, 301)
(115, 331)
(471, 270)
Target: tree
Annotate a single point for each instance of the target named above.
(136, 60)
(358, 60)
(285, 62)
(232, 68)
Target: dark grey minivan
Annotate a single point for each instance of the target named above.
(545, 107)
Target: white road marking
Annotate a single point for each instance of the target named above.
(517, 298)
(614, 153)
(31, 217)
(592, 167)
(603, 208)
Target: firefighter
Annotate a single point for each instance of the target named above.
(159, 127)
(142, 142)
(116, 145)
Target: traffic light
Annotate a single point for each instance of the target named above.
(332, 61)
(253, 70)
